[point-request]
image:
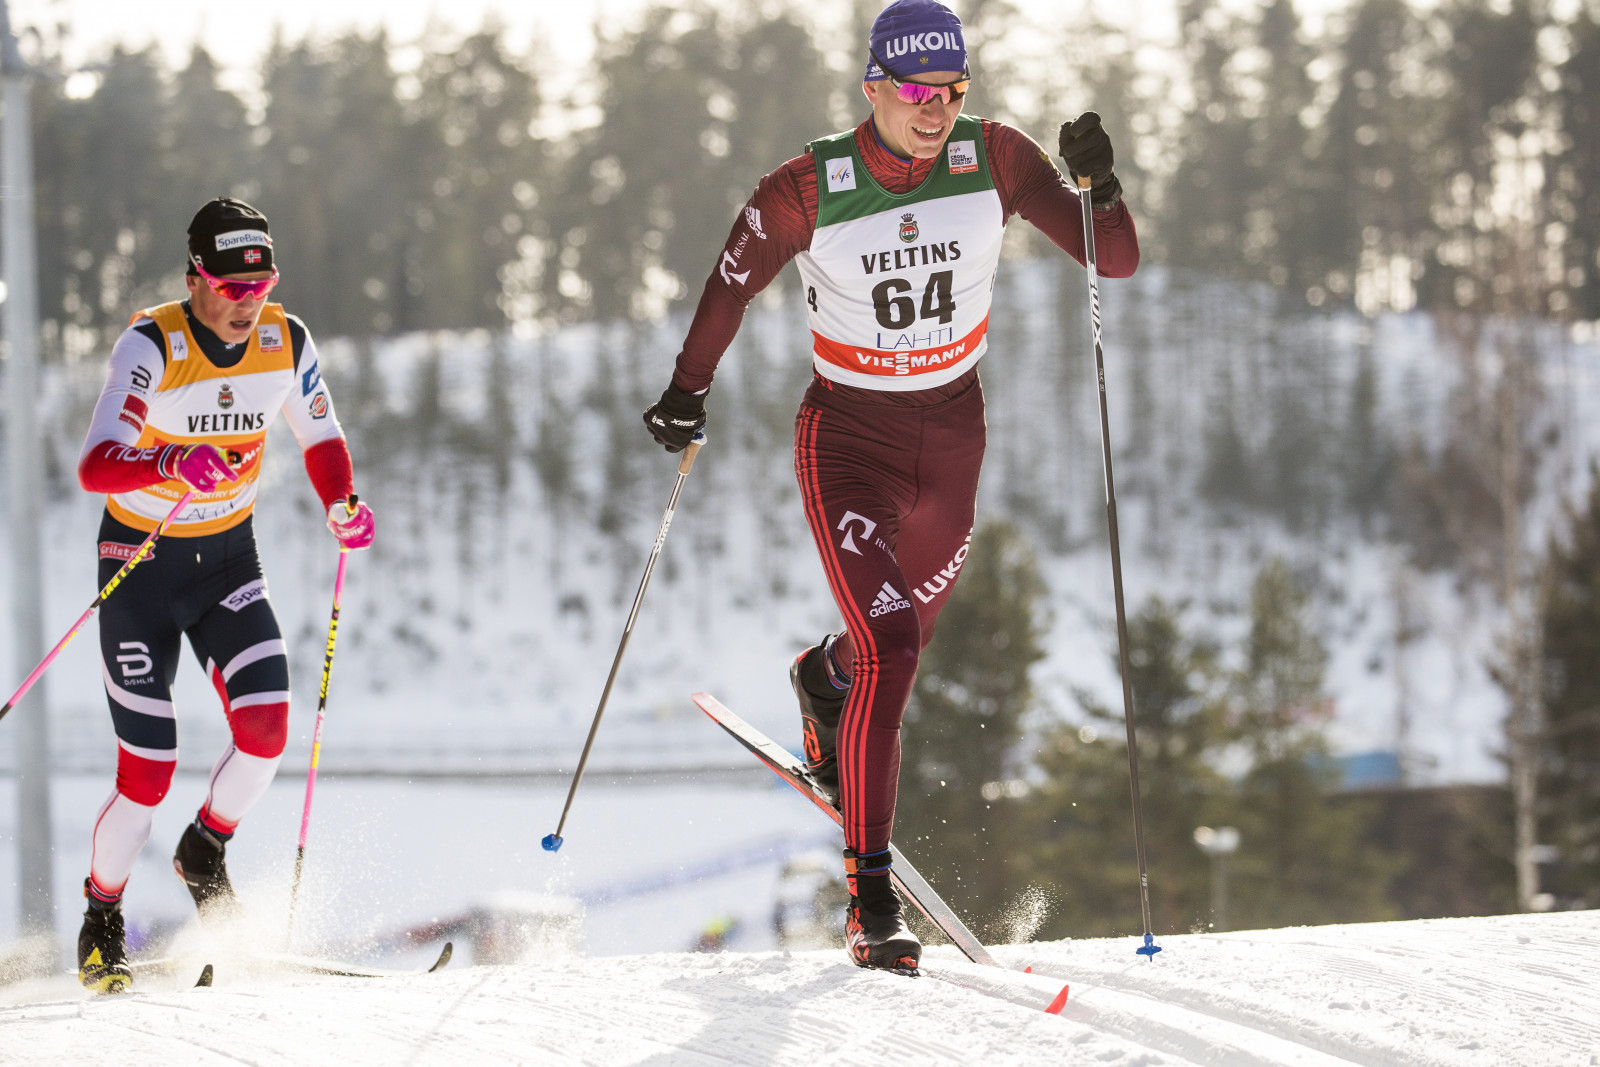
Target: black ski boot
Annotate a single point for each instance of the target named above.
(821, 702)
(875, 931)
(199, 862)
(102, 953)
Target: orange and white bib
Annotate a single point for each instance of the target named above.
(196, 401)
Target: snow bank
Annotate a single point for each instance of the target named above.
(1513, 990)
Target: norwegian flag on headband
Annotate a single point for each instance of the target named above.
(252, 255)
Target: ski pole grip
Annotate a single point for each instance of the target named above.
(690, 451)
(1084, 181)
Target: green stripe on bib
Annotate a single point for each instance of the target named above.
(845, 191)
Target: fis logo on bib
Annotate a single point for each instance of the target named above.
(963, 156)
(271, 336)
(225, 397)
(841, 174)
(887, 600)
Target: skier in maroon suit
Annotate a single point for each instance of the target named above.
(896, 227)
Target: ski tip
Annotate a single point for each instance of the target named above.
(444, 957)
(1055, 1006)
(551, 843)
(1150, 947)
(205, 978)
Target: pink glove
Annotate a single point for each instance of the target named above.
(352, 523)
(202, 466)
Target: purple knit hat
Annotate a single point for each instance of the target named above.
(913, 36)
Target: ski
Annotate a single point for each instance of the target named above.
(310, 965)
(167, 965)
(1023, 988)
(990, 978)
(162, 967)
(789, 767)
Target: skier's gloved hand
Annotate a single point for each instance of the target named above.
(352, 523)
(203, 466)
(676, 418)
(1086, 150)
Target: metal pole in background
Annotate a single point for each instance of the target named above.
(25, 496)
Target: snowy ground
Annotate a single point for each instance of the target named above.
(653, 865)
(1514, 990)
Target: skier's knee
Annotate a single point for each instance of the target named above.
(262, 729)
(897, 638)
(144, 781)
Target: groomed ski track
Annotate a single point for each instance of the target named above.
(1510, 990)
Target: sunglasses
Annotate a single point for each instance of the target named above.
(917, 93)
(235, 290)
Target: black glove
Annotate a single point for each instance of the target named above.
(675, 418)
(1086, 150)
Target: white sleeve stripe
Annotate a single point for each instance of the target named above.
(261, 651)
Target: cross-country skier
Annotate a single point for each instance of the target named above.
(192, 388)
(896, 226)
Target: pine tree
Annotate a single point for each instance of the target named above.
(1366, 453)
(99, 180)
(1575, 166)
(694, 110)
(1076, 834)
(965, 716)
(1303, 858)
(469, 138)
(1228, 477)
(1569, 787)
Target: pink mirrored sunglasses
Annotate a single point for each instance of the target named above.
(233, 289)
(917, 93)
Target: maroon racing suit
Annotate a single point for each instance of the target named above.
(889, 479)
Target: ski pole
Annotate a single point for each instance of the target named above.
(1150, 948)
(316, 736)
(141, 553)
(552, 842)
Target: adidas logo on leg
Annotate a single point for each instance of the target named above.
(887, 600)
